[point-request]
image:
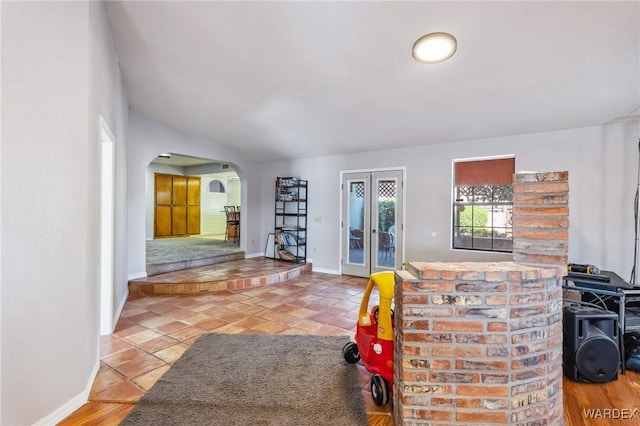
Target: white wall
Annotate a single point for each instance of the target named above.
(213, 219)
(58, 73)
(146, 138)
(108, 99)
(234, 192)
(602, 164)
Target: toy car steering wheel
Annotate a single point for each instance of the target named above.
(375, 311)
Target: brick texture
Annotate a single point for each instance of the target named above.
(541, 218)
(479, 343)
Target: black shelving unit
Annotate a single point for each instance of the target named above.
(291, 220)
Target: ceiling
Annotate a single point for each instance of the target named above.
(280, 80)
(178, 160)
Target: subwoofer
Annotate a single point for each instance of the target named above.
(590, 346)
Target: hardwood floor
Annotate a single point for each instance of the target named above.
(99, 414)
(154, 331)
(603, 404)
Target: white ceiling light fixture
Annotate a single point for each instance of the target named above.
(434, 47)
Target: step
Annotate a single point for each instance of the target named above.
(163, 268)
(231, 275)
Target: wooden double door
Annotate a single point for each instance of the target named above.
(177, 205)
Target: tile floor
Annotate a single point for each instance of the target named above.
(228, 275)
(154, 331)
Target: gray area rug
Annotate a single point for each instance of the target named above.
(256, 379)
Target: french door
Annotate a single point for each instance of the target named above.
(372, 225)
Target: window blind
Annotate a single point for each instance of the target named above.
(484, 172)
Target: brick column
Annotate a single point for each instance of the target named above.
(481, 343)
(541, 218)
(478, 344)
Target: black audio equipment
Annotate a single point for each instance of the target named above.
(590, 346)
(607, 303)
(632, 319)
(632, 350)
(582, 269)
(593, 277)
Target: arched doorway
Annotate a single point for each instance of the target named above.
(218, 185)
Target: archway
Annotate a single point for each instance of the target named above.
(218, 186)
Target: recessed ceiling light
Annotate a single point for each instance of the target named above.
(434, 47)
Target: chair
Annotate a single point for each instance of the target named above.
(233, 223)
(385, 244)
(355, 238)
(392, 234)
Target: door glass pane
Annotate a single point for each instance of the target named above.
(386, 227)
(356, 222)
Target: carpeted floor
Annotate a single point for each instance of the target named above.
(256, 379)
(168, 250)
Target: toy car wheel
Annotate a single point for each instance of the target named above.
(351, 353)
(379, 390)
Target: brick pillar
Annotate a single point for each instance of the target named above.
(541, 218)
(478, 344)
(481, 343)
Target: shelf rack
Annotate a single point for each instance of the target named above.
(291, 219)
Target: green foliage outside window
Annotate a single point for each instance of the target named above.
(386, 214)
(473, 218)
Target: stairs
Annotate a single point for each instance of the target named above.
(218, 277)
(178, 265)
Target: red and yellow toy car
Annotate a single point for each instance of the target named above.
(374, 337)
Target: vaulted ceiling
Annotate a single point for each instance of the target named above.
(298, 79)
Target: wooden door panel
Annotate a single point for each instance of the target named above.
(193, 220)
(179, 220)
(193, 190)
(177, 205)
(179, 191)
(163, 189)
(162, 226)
(193, 205)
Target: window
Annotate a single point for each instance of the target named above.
(216, 186)
(483, 204)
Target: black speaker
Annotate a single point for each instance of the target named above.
(590, 346)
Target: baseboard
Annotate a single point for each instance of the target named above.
(326, 271)
(118, 312)
(249, 256)
(73, 404)
(137, 275)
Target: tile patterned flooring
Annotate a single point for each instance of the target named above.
(229, 275)
(155, 330)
